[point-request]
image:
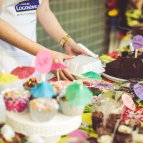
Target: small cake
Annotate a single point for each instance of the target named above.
(32, 82)
(123, 134)
(125, 68)
(43, 109)
(68, 109)
(16, 100)
(97, 119)
(108, 128)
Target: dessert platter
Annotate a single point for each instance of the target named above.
(124, 67)
(111, 78)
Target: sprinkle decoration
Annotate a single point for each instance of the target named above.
(60, 86)
(16, 100)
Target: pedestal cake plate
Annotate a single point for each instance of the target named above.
(50, 131)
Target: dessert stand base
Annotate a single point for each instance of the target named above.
(50, 131)
(52, 139)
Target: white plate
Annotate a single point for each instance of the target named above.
(113, 78)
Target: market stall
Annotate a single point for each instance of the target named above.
(96, 107)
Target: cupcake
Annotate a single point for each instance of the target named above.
(32, 82)
(68, 109)
(43, 109)
(16, 100)
(75, 99)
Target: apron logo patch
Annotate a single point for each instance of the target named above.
(28, 5)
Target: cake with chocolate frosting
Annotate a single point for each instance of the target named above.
(125, 68)
(123, 134)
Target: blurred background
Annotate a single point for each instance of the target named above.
(83, 20)
(100, 25)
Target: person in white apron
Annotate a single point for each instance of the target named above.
(18, 34)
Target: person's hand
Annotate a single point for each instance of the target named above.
(63, 74)
(137, 29)
(72, 48)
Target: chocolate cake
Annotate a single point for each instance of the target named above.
(125, 68)
(123, 134)
(97, 123)
(97, 119)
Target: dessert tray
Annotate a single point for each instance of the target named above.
(113, 78)
(50, 131)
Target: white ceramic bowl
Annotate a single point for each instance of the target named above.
(82, 64)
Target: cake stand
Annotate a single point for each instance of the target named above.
(50, 131)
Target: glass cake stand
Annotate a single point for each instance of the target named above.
(50, 131)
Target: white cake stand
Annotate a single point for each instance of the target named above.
(50, 131)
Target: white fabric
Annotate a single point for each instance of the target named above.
(21, 14)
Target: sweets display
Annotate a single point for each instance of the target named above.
(71, 98)
(16, 100)
(43, 110)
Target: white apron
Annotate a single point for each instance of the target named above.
(21, 14)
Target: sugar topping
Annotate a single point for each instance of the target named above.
(45, 104)
(124, 129)
(17, 94)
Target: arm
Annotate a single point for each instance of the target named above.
(49, 22)
(13, 37)
(51, 25)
